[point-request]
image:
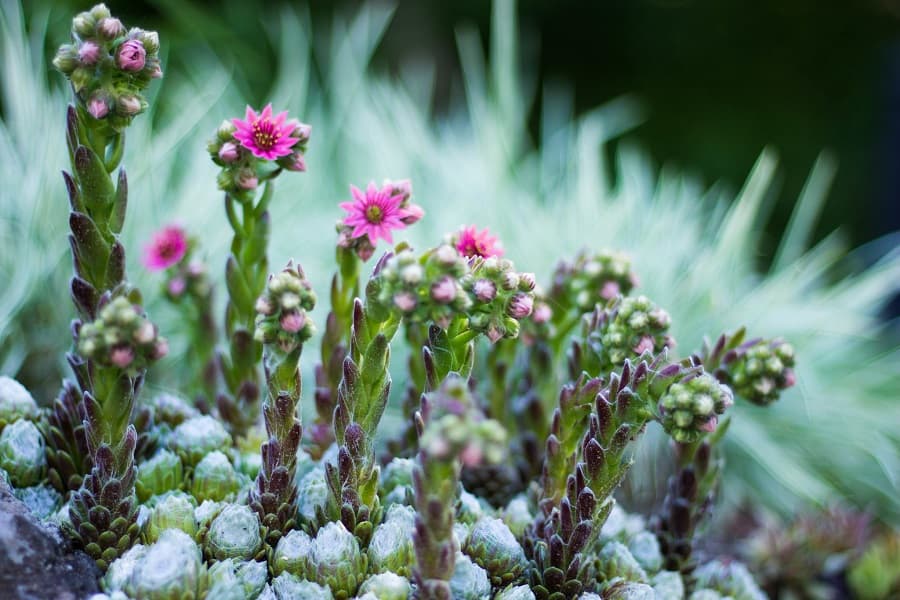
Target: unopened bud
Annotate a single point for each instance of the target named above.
(110, 28)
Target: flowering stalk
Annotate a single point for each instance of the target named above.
(187, 285)
(371, 215)
(250, 151)
(282, 326)
(452, 433)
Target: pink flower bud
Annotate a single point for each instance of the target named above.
(196, 268)
(131, 56)
(161, 349)
(176, 286)
(110, 28)
(298, 163)
(228, 152)
(145, 333)
(790, 378)
(402, 187)
(263, 306)
(156, 72)
(97, 107)
(471, 455)
(494, 333)
(293, 322)
(710, 425)
(128, 105)
(88, 53)
(485, 290)
(247, 180)
(542, 313)
(302, 131)
(643, 345)
(526, 282)
(444, 290)
(520, 306)
(121, 356)
(405, 301)
(414, 214)
(609, 290)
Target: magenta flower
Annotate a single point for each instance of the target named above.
(471, 242)
(168, 246)
(265, 136)
(131, 56)
(374, 213)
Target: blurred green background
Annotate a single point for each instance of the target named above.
(717, 80)
(717, 143)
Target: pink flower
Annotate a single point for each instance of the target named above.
(168, 246)
(265, 136)
(374, 213)
(471, 242)
(97, 107)
(131, 56)
(89, 53)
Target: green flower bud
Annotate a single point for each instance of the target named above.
(668, 584)
(120, 570)
(690, 408)
(517, 515)
(391, 546)
(469, 581)
(66, 59)
(174, 511)
(240, 579)
(234, 533)
(644, 547)
(386, 586)
(629, 591)
(337, 560)
(729, 579)
(197, 437)
(494, 547)
(614, 560)
(83, 25)
(22, 453)
(759, 370)
(312, 493)
(15, 402)
(293, 554)
(159, 474)
(515, 592)
(289, 587)
(42, 500)
(171, 569)
(215, 478)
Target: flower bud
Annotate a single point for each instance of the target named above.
(131, 55)
(88, 53)
(228, 152)
(83, 25)
(98, 107)
(520, 306)
(247, 180)
(414, 214)
(66, 59)
(128, 105)
(297, 162)
(687, 408)
(150, 41)
(225, 131)
(485, 290)
(444, 290)
(110, 28)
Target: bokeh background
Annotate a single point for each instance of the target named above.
(743, 153)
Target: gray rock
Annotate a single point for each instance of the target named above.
(36, 561)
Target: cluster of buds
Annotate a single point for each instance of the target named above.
(625, 329)
(759, 370)
(256, 149)
(282, 318)
(121, 337)
(690, 408)
(364, 245)
(427, 288)
(109, 67)
(500, 297)
(592, 277)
